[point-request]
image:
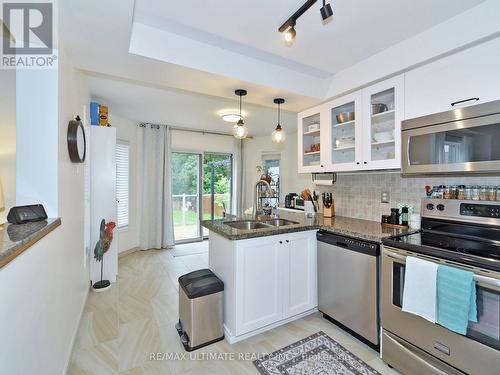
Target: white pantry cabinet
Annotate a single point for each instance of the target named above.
(268, 281)
(369, 138)
(470, 74)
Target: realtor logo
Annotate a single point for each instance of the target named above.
(29, 39)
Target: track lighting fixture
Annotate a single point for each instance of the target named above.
(240, 130)
(326, 11)
(289, 35)
(279, 135)
(288, 28)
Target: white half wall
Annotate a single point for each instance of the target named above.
(8, 139)
(43, 291)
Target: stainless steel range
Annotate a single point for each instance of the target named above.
(462, 234)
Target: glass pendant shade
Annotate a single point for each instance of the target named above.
(240, 130)
(279, 135)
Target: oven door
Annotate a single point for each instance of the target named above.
(457, 146)
(476, 353)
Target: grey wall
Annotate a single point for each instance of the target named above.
(358, 195)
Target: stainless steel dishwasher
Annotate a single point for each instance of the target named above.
(348, 290)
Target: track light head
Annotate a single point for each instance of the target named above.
(326, 11)
(289, 35)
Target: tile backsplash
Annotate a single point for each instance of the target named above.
(358, 195)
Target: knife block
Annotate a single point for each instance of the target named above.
(329, 212)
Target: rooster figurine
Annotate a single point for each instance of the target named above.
(102, 246)
(105, 238)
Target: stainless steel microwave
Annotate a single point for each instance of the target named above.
(464, 140)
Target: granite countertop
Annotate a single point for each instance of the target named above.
(16, 238)
(357, 228)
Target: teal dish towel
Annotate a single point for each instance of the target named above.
(456, 298)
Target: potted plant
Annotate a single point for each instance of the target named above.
(264, 173)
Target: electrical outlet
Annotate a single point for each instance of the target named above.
(385, 197)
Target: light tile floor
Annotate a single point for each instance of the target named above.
(121, 327)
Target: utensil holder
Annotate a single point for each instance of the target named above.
(328, 212)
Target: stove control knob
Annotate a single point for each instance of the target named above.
(440, 207)
(430, 206)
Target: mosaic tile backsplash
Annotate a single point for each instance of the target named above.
(358, 195)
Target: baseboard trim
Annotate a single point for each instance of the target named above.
(129, 251)
(232, 339)
(75, 333)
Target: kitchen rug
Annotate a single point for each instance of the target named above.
(316, 354)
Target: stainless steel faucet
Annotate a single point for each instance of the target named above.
(256, 200)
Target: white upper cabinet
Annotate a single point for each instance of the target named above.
(310, 133)
(472, 74)
(383, 104)
(359, 131)
(345, 139)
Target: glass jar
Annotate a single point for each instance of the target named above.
(437, 192)
(475, 193)
(483, 193)
(453, 192)
(446, 192)
(498, 193)
(461, 192)
(492, 193)
(468, 193)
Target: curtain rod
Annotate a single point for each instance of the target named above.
(191, 130)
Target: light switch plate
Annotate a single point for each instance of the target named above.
(385, 197)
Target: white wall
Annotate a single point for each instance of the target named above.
(43, 291)
(291, 181)
(8, 139)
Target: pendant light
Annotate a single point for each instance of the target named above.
(240, 130)
(279, 135)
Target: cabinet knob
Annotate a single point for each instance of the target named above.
(321, 165)
(365, 162)
(358, 163)
(281, 241)
(287, 241)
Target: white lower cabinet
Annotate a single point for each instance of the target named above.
(267, 280)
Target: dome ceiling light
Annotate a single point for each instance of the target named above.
(288, 28)
(231, 117)
(240, 131)
(279, 135)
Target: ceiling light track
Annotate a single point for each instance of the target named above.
(288, 28)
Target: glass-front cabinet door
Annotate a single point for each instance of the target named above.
(346, 120)
(383, 104)
(310, 141)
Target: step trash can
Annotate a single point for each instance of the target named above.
(200, 309)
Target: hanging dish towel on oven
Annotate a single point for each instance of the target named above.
(456, 298)
(419, 294)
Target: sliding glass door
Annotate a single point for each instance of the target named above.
(217, 186)
(186, 170)
(201, 190)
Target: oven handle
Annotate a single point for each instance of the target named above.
(415, 356)
(490, 281)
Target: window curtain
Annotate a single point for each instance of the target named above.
(156, 218)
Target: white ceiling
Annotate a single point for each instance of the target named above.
(359, 28)
(146, 103)
(97, 36)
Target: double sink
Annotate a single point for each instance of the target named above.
(254, 224)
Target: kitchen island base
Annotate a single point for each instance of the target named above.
(268, 281)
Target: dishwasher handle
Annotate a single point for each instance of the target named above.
(349, 243)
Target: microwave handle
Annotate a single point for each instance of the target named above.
(464, 101)
(490, 281)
